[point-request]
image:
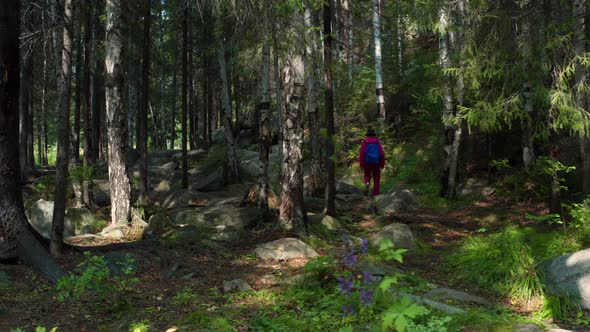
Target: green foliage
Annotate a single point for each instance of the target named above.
(97, 280)
(82, 173)
(37, 329)
(504, 262)
(323, 268)
(143, 326)
(400, 314)
(185, 297)
(500, 164)
(559, 307)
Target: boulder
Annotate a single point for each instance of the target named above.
(399, 234)
(239, 218)
(218, 136)
(443, 293)
(397, 200)
(347, 188)
(163, 187)
(159, 157)
(208, 182)
(325, 225)
(236, 285)
(287, 248)
(167, 168)
(114, 232)
(183, 198)
(569, 275)
(77, 221)
(476, 188)
(191, 155)
(102, 193)
(191, 217)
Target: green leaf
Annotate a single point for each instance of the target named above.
(346, 329)
(386, 283)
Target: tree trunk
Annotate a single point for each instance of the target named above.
(116, 115)
(579, 43)
(16, 240)
(88, 184)
(174, 90)
(291, 211)
(26, 169)
(232, 171)
(42, 123)
(184, 97)
(264, 133)
(63, 131)
(329, 106)
(97, 86)
(312, 105)
(142, 115)
(75, 135)
(377, 51)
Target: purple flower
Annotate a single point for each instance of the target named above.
(345, 285)
(349, 259)
(366, 296)
(347, 309)
(368, 278)
(365, 245)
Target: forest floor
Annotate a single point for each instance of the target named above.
(196, 301)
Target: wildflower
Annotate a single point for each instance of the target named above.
(366, 296)
(364, 246)
(349, 259)
(368, 278)
(347, 309)
(345, 285)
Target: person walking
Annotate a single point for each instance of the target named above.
(372, 161)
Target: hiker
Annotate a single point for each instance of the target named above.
(372, 160)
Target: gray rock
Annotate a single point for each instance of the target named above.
(236, 285)
(163, 187)
(287, 248)
(379, 270)
(75, 223)
(569, 275)
(191, 217)
(526, 327)
(331, 223)
(239, 218)
(102, 193)
(183, 198)
(399, 234)
(159, 157)
(397, 200)
(218, 136)
(167, 168)
(451, 294)
(114, 232)
(191, 155)
(475, 187)
(208, 182)
(347, 188)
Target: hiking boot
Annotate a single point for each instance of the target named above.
(366, 189)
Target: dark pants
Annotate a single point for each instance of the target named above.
(374, 170)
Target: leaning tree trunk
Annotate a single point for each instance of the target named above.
(16, 240)
(232, 170)
(63, 131)
(329, 106)
(116, 115)
(378, 65)
(291, 211)
(142, 115)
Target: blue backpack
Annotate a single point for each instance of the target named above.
(372, 154)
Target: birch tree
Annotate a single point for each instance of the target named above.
(378, 65)
(116, 114)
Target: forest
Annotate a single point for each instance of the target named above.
(294, 165)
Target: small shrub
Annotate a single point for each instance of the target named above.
(185, 297)
(143, 326)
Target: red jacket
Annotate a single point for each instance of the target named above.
(367, 141)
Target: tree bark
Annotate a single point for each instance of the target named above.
(142, 115)
(174, 91)
(184, 97)
(42, 123)
(16, 240)
(232, 171)
(264, 132)
(116, 115)
(191, 92)
(26, 169)
(329, 106)
(88, 26)
(311, 63)
(291, 211)
(75, 135)
(63, 131)
(378, 65)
